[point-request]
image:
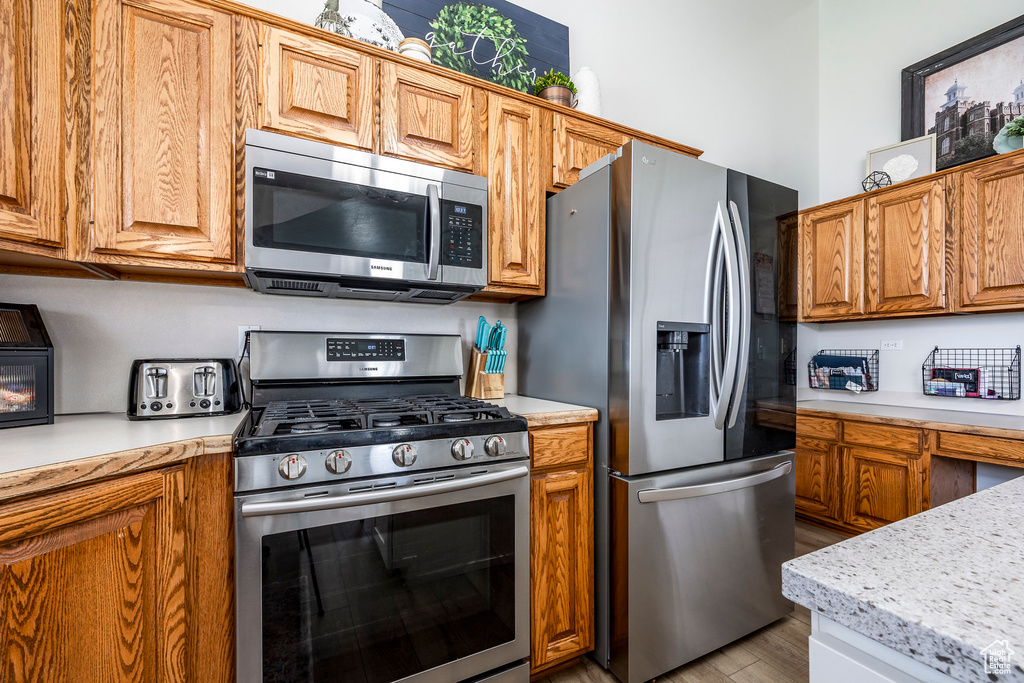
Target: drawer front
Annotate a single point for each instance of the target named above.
(885, 437)
(987, 447)
(816, 427)
(559, 446)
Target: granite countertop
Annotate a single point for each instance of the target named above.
(934, 418)
(938, 587)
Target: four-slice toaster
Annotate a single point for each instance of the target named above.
(183, 387)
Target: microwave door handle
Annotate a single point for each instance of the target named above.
(286, 507)
(434, 197)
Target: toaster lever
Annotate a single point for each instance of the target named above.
(204, 381)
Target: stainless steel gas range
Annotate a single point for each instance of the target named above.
(382, 519)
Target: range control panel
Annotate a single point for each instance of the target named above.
(462, 227)
(365, 349)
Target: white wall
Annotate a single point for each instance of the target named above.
(736, 78)
(864, 46)
(98, 327)
(899, 372)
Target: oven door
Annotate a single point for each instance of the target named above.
(310, 215)
(422, 578)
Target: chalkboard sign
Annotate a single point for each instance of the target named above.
(496, 41)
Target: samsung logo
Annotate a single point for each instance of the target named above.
(375, 267)
(370, 369)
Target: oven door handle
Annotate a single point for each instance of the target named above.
(435, 231)
(286, 507)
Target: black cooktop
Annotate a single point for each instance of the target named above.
(297, 425)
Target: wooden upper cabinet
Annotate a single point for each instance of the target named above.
(831, 262)
(515, 215)
(426, 117)
(789, 258)
(991, 210)
(316, 89)
(905, 244)
(32, 121)
(880, 487)
(94, 580)
(575, 144)
(163, 130)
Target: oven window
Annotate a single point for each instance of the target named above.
(384, 598)
(304, 213)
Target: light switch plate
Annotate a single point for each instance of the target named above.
(891, 344)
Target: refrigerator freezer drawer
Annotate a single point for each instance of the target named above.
(696, 560)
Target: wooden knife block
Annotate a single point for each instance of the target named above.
(480, 384)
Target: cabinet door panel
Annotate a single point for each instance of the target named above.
(316, 89)
(163, 130)
(94, 580)
(576, 144)
(789, 275)
(516, 194)
(561, 561)
(32, 121)
(992, 235)
(879, 487)
(817, 478)
(906, 249)
(831, 263)
(427, 118)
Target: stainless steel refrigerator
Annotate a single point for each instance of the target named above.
(662, 311)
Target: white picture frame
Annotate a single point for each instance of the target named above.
(921, 150)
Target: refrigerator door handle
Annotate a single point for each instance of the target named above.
(720, 406)
(714, 487)
(744, 315)
(716, 271)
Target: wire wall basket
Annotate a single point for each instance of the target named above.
(853, 370)
(973, 373)
(789, 368)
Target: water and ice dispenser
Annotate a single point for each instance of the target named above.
(683, 361)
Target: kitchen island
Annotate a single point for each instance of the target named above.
(935, 597)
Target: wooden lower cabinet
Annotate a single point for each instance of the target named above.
(561, 545)
(817, 478)
(880, 487)
(103, 578)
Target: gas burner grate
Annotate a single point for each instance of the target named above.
(340, 415)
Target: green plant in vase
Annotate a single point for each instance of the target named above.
(556, 87)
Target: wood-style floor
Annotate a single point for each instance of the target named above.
(775, 654)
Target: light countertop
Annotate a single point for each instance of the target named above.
(938, 587)
(935, 417)
(79, 448)
(540, 412)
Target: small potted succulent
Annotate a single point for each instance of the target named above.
(556, 87)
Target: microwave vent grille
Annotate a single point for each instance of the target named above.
(442, 296)
(297, 285)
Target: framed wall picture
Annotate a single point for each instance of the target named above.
(904, 160)
(966, 94)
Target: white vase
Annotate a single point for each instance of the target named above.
(588, 91)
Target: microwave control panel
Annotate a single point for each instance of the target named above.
(365, 349)
(462, 227)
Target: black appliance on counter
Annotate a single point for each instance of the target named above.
(26, 367)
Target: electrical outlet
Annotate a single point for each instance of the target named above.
(892, 344)
(242, 329)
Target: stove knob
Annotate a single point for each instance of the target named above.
(404, 455)
(292, 466)
(339, 462)
(462, 449)
(495, 446)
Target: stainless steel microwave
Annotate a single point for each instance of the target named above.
(325, 221)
